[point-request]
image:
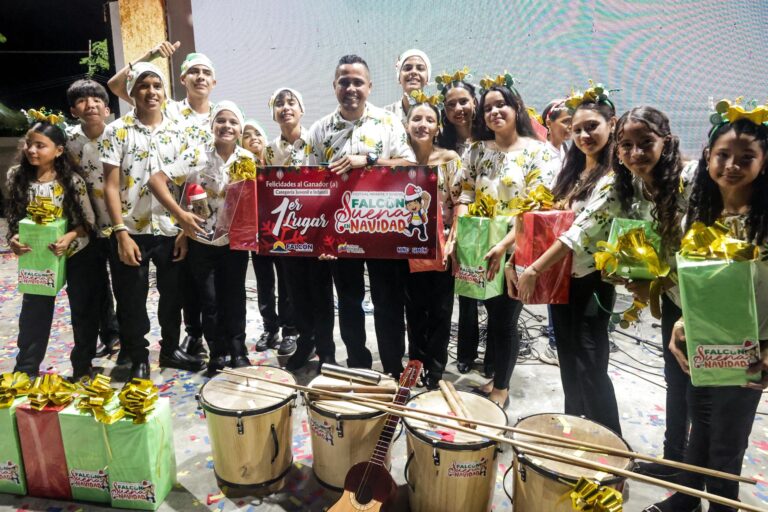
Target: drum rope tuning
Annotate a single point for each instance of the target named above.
(531, 448)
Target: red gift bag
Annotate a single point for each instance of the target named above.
(435, 265)
(536, 231)
(43, 451)
(241, 214)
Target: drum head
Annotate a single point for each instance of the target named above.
(231, 395)
(573, 428)
(480, 408)
(343, 407)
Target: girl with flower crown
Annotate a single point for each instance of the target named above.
(429, 314)
(218, 271)
(47, 174)
(500, 165)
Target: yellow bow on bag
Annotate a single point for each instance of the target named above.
(243, 168)
(50, 389)
(538, 198)
(43, 211)
(12, 386)
(138, 399)
(588, 496)
(484, 206)
(714, 243)
(94, 396)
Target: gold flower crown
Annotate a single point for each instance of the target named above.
(444, 80)
(43, 115)
(729, 112)
(504, 80)
(419, 96)
(596, 93)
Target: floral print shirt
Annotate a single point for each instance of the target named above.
(397, 109)
(85, 152)
(449, 188)
(283, 153)
(377, 131)
(203, 166)
(197, 127)
(139, 153)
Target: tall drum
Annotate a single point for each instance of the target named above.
(540, 484)
(250, 426)
(342, 433)
(450, 471)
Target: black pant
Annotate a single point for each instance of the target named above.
(350, 291)
(468, 337)
(108, 325)
(264, 267)
(310, 283)
(503, 337)
(85, 297)
(428, 309)
(388, 279)
(131, 285)
(583, 349)
(676, 430)
(219, 278)
(191, 301)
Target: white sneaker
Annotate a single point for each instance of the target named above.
(549, 355)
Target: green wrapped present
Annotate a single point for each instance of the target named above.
(40, 271)
(717, 290)
(142, 464)
(632, 251)
(12, 480)
(475, 236)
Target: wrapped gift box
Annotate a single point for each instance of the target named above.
(474, 238)
(45, 463)
(40, 271)
(241, 215)
(721, 322)
(536, 232)
(12, 478)
(142, 467)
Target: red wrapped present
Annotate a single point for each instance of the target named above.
(240, 203)
(43, 451)
(435, 265)
(536, 232)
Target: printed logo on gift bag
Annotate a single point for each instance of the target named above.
(468, 469)
(37, 277)
(726, 356)
(89, 479)
(133, 491)
(10, 472)
(472, 275)
(322, 430)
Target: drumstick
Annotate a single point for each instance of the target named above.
(378, 397)
(455, 402)
(355, 389)
(575, 444)
(547, 454)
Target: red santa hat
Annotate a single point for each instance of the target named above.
(195, 192)
(412, 192)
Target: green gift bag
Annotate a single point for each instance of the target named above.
(474, 238)
(629, 269)
(40, 271)
(142, 463)
(12, 480)
(721, 323)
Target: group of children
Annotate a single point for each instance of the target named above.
(119, 187)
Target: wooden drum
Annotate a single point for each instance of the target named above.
(540, 484)
(250, 426)
(449, 471)
(342, 433)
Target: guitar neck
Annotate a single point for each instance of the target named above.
(385, 439)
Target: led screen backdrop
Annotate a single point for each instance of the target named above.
(670, 54)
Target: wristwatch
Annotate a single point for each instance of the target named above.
(371, 158)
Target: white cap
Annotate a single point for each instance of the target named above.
(407, 54)
(139, 69)
(197, 59)
(296, 94)
(255, 124)
(230, 106)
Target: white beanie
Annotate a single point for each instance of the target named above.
(197, 59)
(296, 94)
(139, 69)
(230, 106)
(255, 124)
(413, 53)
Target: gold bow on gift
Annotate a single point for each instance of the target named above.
(443, 80)
(94, 396)
(587, 496)
(540, 198)
(484, 206)
(504, 80)
(243, 168)
(418, 96)
(138, 399)
(50, 389)
(43, 211)
(714, 243)
(12, 386)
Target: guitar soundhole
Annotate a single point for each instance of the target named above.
(364, 495)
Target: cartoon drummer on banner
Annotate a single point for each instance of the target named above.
(417, 202)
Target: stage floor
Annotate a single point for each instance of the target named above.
(635, 369)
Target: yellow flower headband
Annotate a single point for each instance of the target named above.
(504, 80)
(535, 115)
(596, 93)
(42, 115)
(444, 80)
(418, 96)
(727, 112)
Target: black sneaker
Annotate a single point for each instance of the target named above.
(216, 364)
(656, 470)
(181, 360)
(299, 360)
(193, 346)
(287, 345)
(268, 340)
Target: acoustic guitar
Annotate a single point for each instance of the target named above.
(368, 486)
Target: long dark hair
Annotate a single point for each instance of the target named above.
(665, 176)
(567, 184)
(448, 138)
(514, 100)
(26, 173)
(706, 202)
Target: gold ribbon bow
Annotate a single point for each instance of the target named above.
(443, 80)
(138, 399)
(50, 389)
(504, 80)
(714, 243)
(243, 168)
(43, 211)
(12, 386)
(484, 206)
(589, 496)
(594, 93)
(732, 112)
(94, 396)
(418, 96)
(539, 198)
